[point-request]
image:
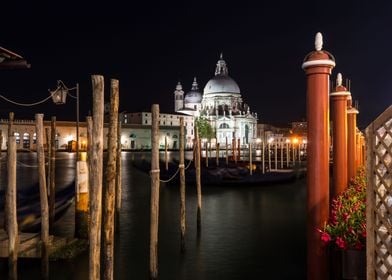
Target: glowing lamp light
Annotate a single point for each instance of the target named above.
(304, 141)
(270, 140)
(295, 140)
(59, 96)
(69, 138)
(258, 140)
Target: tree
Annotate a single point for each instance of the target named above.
(205, 129)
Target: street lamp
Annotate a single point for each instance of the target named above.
(59, 96)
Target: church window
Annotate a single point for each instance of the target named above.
(224, 125)
(145, 121)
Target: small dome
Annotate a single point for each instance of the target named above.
(194, 95)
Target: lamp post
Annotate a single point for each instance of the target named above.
(59, 96)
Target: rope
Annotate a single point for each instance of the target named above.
(26, 104)
(171, 178)
(189, 164)
(175, 174)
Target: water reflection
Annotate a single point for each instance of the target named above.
(247, 232)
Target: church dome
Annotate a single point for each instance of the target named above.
(194, 95)
(222, 82)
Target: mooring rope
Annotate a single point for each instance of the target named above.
(178, 169)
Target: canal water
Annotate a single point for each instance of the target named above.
(248, 232)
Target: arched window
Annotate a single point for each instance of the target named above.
(26, 140)
(17, 137)
(224, 125)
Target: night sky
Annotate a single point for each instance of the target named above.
(150, 47)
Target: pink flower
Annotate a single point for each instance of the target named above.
(341, 243)
(325, 237)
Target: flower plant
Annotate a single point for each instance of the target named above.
(346, 227)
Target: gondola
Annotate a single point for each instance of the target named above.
(220, 176)
(29, 207)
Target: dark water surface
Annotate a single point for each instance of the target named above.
(253, 232)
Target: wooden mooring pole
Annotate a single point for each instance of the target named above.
(198, 181)
(206, 153)
(119, 170)
(154, 210)
(250, 159)
(269, 156)
(287, 154)
(263, 157)
(12, 227)
(166, 159)
(233, 144)
(239, 149)
(47, 136)
(182, 185)
(52, 172)
(281, 155)
(43, 196)
(95, 177)
(10, 133)
(227, 153)
(110, 188)
(1, 142)
(276, 155)
(217, 154)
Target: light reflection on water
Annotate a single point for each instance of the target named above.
(247, 232)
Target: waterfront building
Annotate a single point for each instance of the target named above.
(139, 125)
(135, 132)
(221, 104)
(295, 133)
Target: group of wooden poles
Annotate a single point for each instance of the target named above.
(155, 183)
(88, 206)
(283, 156)
(10, 211)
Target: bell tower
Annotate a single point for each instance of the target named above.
(178, 98)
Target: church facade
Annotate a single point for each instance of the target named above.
(221, 104)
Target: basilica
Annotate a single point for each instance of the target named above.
(221, 104)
